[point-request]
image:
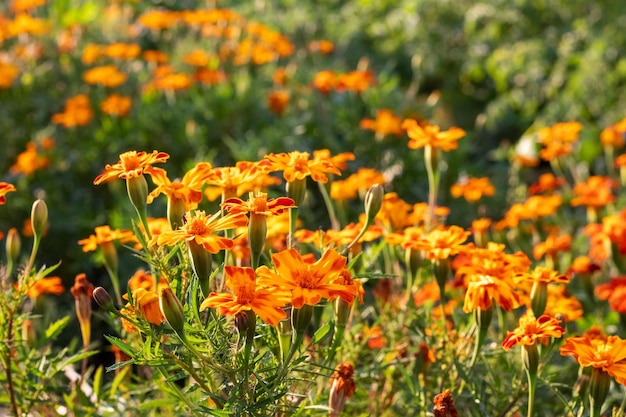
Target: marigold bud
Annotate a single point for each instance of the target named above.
(137, 188)
(539, 298)
(342, 387)
(13, 245)
(28, 333)
(39, 217)
(373, 201)
(104, 300)
(296, 190)
(175, 212)
(444, 405)
(201, 262)
(83, 292)
(598, 388)
(172, 310)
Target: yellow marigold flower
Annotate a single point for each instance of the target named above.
(77, 112)
(200, 228)
(29, 161)
(131, 164)
(307, 282)
(609, 355)
(47, 285)
(442, 242)
(188, 189)
(107, 75)
(472, 189)
(277, 101)
(386, 123)
(596, 192)
(104, 234)
(247, 295)
(531, 329)
(8, 73)
(298, 165)
(431, 135)
(121, 50)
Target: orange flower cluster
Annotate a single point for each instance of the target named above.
(356, 184)
(355, 81)
(77, 112)
(607, 238)
(558, 139)
(386, 123)
(145, 300)
(596, 192)
(613, 135)
(615, 292)
(108, 76)
(30, 160)
(535, 207)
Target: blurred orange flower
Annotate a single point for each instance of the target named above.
(277, 101)
(131, 164)
(107, 75)
(552, 246)
(159, 19)
(47, 285)
(472, 189)
(325, 81)
(531, 329)
(322, 46)
(442, 242)
(116, 105)
(247, 295)
(121, 50)
(91, 52)
(29, 161)
(307, 282)
(209, 76)
(542, 274)
(155, 56)
(596, 192)
(20, 6)
(614, 135)
(615, 292)
(431, 135)
(104, 234)
(342, 387)
(23, 23)
(8, 73)
(356, 81)
(558, 139)
(227, 182)
(561, 304)
(386, 123)
(547, 183)
(77, 112)
(356, 184)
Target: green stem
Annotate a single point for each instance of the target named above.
(293, 218)
(431, 156)
(8, 366)
(334, 221)
(250, 333)
(115, 281)
(33, 254)
(532, 384)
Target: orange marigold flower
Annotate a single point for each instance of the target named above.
(431, 135)
(609, 355)
(104, 234)
(258, 204)
(298, 165)
(386, 123)
(340, 160)
(530, 329)
(355, 184)
(234, 181)
(187, 190)
(596, 192)
(20, 6)
(620, 161)
(145, 280)
(277, 101)
(395, 213)
(201, 228)
(307, 282)
(444, 405)
(25, 23)
(325, 81)
(483, 290)
(561, 304)
(357, 81)
(147, 302)
(547, 183)
(131, 164)
(542, 274)
(480, 225)
(375, 337)
(583, 265)
(442, 242)
(8, 73)
(91, 52)
(159, 19)
(615, 292)
(156, 226)
(342, 387)
(166, 79)
(5, 188)
(552, 246)
(107, 75)
(155, 56)
(558, 139)
(121, 50)
(247, 295)
(197, 58)
(472, 189)
(322, 46)
(614, 134)
(77, 112)
(29, 161)
(116, 105)
(47, 285)
(209, 76)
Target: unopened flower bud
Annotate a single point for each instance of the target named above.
(598, 388)
(83, 292)
(538, 298)
(137, 188)
(13, 245)
(201, 262)
(39, 217)
(104, 300)
(175, 212)
(373, 201)
(172, 310)
(296, 190)
(342, 387)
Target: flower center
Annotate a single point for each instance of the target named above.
(197, 227)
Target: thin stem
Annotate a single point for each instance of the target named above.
(532, 384)
(293, 218)
(115, 281)
(33, 254)
(8, 365)
(334, 221)
(431, 156)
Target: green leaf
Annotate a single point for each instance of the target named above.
(124, 347)
(76, 358)
(97, 382)
(119, 378)
(53, 331)
(321, 333)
